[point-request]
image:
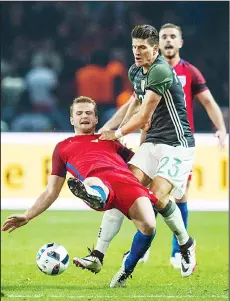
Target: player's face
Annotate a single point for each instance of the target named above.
(170, 42)
(83, 118)
(143, 52)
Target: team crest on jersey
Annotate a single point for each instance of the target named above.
(182, 79)
(143, 85)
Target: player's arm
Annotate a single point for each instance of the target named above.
(203, 94)
(45, 200)
(143, 116)
(117, 118)
(132, 109)
(159, 80)
(214, 112)
(149, 104)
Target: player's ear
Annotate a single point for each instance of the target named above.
(96, 119)
(155, 49)
(181, 43)
(71, 120)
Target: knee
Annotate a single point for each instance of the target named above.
(162, 203)
(148, 228)
(114, 215)
(161, 188)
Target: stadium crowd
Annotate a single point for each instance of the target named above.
(55, 51)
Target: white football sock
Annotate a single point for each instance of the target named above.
(173, 218)
(110, 226)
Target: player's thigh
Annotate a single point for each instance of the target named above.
(127, 189)
(140, 175)
(142, 214)
(174, 166)
(144, 163)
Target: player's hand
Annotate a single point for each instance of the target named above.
(221, 135)
(104, 128)
(14, 221)
(108, 135)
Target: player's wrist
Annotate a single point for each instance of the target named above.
(27, 216)
(118, 133)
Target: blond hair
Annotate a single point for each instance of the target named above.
(83, 99)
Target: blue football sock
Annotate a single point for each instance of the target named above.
(101, 191)
(140, 245)
(184, 212)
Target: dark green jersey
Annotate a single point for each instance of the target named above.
(169, 124)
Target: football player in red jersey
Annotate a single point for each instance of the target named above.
(101, 178)
(195, 87)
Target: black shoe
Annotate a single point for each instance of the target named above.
(89, 195)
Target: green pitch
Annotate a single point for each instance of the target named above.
(156, 280)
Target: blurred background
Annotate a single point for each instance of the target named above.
(53, 52)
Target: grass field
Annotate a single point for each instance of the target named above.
(156, 280)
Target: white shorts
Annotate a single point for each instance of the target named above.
(169, 162)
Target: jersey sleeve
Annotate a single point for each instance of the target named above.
(159, 79)
(132, 72)
(198, 80)
(124, 152)
(58, 166)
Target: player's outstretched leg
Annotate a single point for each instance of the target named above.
(143, 217)
(110, 226)
(92, 191)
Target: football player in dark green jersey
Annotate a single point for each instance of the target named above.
(165, 158)
(193, 83)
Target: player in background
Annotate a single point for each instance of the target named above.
(165, 159)
(195, 88)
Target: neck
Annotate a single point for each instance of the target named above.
(147, 66)
(78, 133)
(173, 61)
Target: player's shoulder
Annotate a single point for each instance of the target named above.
(189, 66)
(160, 66)
(65, 141)
(133, 70)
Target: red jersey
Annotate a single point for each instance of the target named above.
(193, 83)
(86, 156)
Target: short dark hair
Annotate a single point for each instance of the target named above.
(146, 32)
(171, 25)
(83, 99)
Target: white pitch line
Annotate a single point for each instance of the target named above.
(114, 297)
